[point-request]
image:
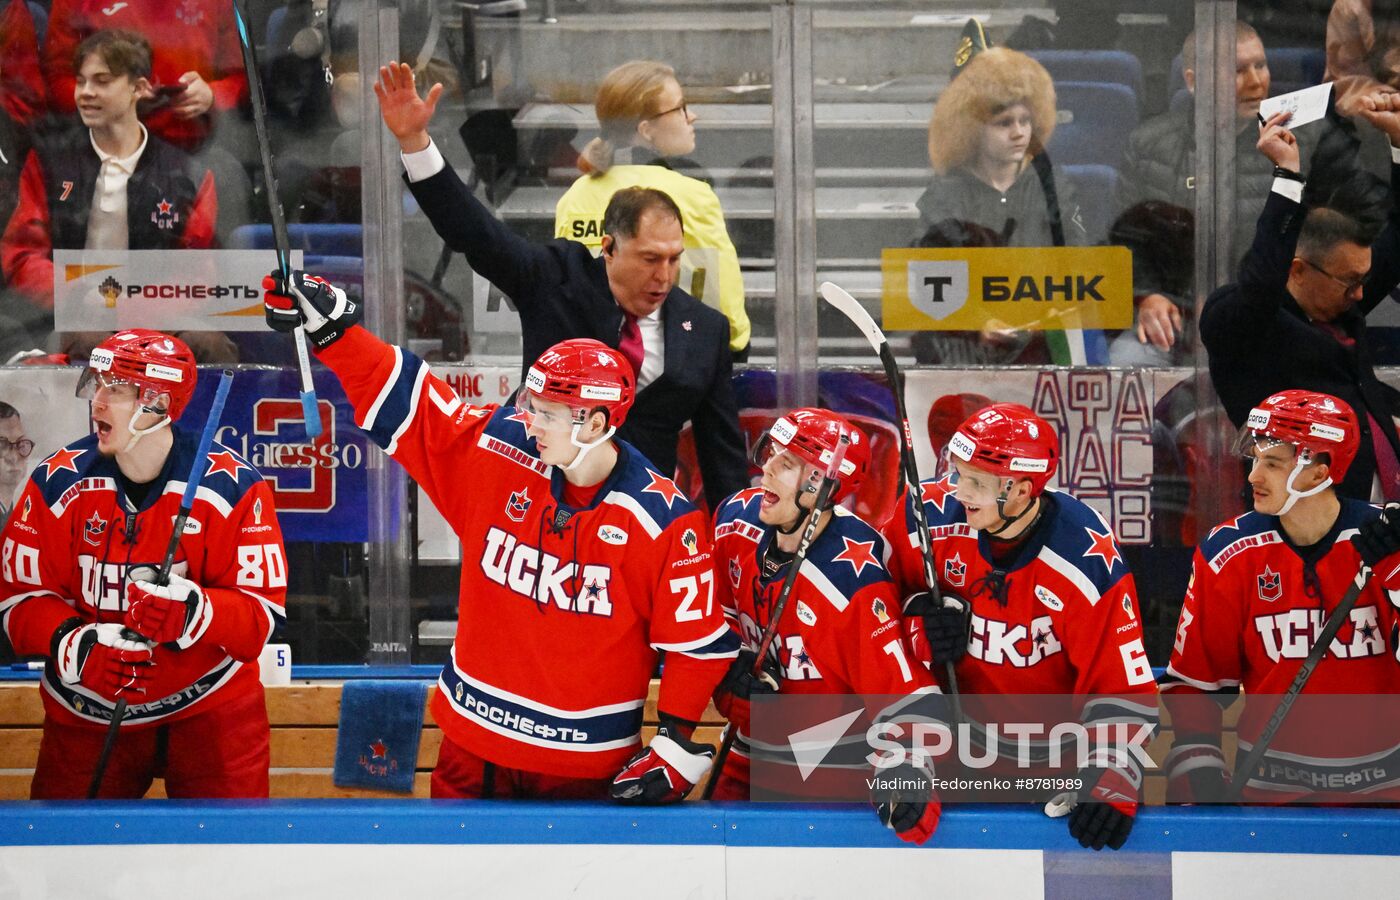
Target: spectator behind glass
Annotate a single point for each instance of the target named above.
(14, 453)
(108, 186)
(989, 126)
(197, 67)
(986, 142)
(1160, 166)
(1297, 316)
(644, 117)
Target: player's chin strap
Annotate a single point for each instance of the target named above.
(584, 448)
(138, 433)
(1304, 460)
(802, 511)
(1007, 522)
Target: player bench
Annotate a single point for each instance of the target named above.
(304, 720)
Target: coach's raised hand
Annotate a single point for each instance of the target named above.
(322, 307)
(405, 113)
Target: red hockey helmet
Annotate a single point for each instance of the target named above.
(812, 436)
(585, 374)
(155, 363)
(1312, 422)
(1010, 441)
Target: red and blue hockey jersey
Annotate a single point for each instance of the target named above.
(1253, 609)
(74, 535)
(1060, 619)
(561, 611)
(841, 631)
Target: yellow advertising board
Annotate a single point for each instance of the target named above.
(1023, 288)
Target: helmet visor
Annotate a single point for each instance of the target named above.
(558, 417)
(117, 390)
(1255, 446)
(973, 488)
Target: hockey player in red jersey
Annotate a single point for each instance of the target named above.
(1262, 585)
(840, 630)
(580, 563)
(1038, 598)
(78, 562)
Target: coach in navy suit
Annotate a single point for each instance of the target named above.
(626, 298)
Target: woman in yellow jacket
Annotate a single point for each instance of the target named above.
(642, 112)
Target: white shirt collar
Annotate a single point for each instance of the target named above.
(125, 163)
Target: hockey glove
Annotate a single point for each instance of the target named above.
(1379, 539)
(1105, 813)
(176, 613)
(911, 810)
(664, 772)
(937, 632)
(740, 684)
(100, 659)
(322, 307)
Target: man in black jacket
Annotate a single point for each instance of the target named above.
(627, 298)
(1297, 316)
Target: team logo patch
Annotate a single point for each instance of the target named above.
(691, 542)
(858, 553)
(1270, 585)
(93, 528)
(664, 486)
(736, 572)
(805, 614)
(192, 526)
(1128, 606)
(881, 613)
(257, 511)
(609, 534)
(165, 216)
(457, 692)
(110, 289)
(955, 570)
(518, 505)
(24, 513)
(1047, 597)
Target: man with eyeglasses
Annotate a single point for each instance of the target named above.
(627, 298)
(1297, 316)
(14, 450)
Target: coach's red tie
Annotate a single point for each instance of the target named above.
(630, 342)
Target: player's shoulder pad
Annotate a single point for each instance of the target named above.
(69, 465)
(850, 555)
(940, 507)
(226, 477)
(741, 505)
(1080, 541)
(653, 499)
(508, 424)
(1243, 531)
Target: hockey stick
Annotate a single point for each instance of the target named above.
(311, 416)
(839, 298)
(1285, 703)
(770, 631)
(201, 457)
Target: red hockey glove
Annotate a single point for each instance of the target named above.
(907, 802)
(176, 613)
(1104, 815)
(939, 631)
(1196, 773)
(664, 772)
(740, 684)
(101, 660)
(322, 307)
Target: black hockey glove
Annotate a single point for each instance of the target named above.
(1105, 813)
(1379, 538)
(322, 307)
(907, 802)
(944, 627)
(740, 684)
